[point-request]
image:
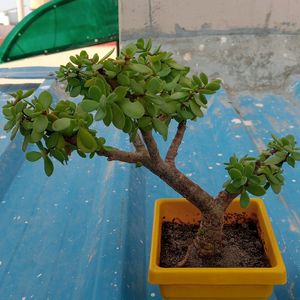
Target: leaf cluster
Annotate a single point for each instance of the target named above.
(142, 89)
(250, 175)
(56, 131)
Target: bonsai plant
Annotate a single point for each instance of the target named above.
(141, 91)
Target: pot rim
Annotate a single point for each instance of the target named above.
(276, 274)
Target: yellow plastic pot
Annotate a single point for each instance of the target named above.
(215, 283)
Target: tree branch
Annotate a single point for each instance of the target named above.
(173, 150)
(139, 145)
(151, 146)
(129, 157)
(224, 198)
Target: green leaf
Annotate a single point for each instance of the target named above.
(48, 166)
(40, 123)
(121, 92)
(130, 50)
(136, 87)
(108, 116)
(28, 93)
(25, 142)
(256, 190)
(133, 109)
(186, 113)
(249, 169)
(239, 182)
(140, 43)
(203, 99)
(86, 142)
(148, 45)
(244, 200)
(118, 116)
(107, 55)
(100, 114)
(276, 188)
(9, 125)
(273, 160)
(19, 107)
(75, 91)
(89, 105)
(45, 98)
(296, 155)
(61, 124)
(291, 161)
(14, 132)
(59, 155)
(111, 98)
(33, 155)
(128, 125)
(74, 60)
(101, 84)
(204, 78)
(179, 95)
(168, 107)
(73, 82)
(232, 189)
(235, 173)
(212, 86)
(226, 183)
(95, 93)
(161, 128)
(153, 85)
(291, 139)
(31, 113)
(95, 58)
(7, 111)
(140, 68)
(103, 101)
(165, 71)
(197, 80)
(195, 109)
(35, 136)
(254, 180)
(273, 179)
(176, 66)
(145, 122)
(53, 139)
(123, 79)
(152, 109)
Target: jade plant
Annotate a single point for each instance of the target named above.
(140, 92)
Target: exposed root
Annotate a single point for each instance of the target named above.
(199, 249)
(183, 262)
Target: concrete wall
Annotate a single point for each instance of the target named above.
(193, 17)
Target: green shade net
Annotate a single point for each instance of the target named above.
(61, 25)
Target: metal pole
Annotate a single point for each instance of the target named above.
(20, 9)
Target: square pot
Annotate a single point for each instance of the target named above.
(215, 283)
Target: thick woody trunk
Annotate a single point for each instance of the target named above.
(208, 241)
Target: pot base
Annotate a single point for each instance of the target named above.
(213, 292)
(215, 283)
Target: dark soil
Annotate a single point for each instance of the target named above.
(242, 246)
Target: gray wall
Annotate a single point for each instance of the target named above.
(194, 17)
(240, 41)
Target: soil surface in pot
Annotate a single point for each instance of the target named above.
(242, 246)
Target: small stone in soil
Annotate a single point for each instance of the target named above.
(242, 247)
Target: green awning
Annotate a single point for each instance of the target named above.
(60, 25)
